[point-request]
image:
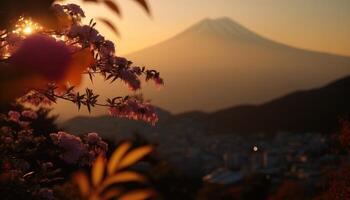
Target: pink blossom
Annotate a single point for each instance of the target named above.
(107, 49)
(35, 99)
(104, 146)
(158, 81)
(134, 110)
(72, 146)
(58, 9)
(86, 33)
(130, 78)
(72, 9)
(122, 62)
(14, 116)
(75, 10)
(93, 138)
(137, 71)
(29, 114)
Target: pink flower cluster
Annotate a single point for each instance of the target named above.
(15, 116)
(76, 150)
(36, 99)
(135, 110)
(29, 114)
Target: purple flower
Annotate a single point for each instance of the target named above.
(107, 49)
(72, 146)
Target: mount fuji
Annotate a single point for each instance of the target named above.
(218, 63)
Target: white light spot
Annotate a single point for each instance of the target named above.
(255, 148)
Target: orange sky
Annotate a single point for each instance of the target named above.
(322, 25)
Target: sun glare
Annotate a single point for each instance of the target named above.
(27, 30)
(26, 27)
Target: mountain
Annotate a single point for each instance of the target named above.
(315, 110)
(218, 63)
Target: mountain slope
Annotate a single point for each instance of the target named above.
(316, 110)
(218, 63)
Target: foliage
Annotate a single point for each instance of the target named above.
(101, 186)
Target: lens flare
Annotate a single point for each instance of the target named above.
(26, 27)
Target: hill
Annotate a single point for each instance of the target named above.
(316, 110)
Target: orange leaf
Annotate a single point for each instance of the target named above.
(138, 194)
(112, 193)
(113, 6)
(122, 177)
(144, 5)
(83, 183)
(98, 169)
(117, 156)
(134, 156)
(110, 25)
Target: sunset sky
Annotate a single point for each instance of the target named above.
(322, 25)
